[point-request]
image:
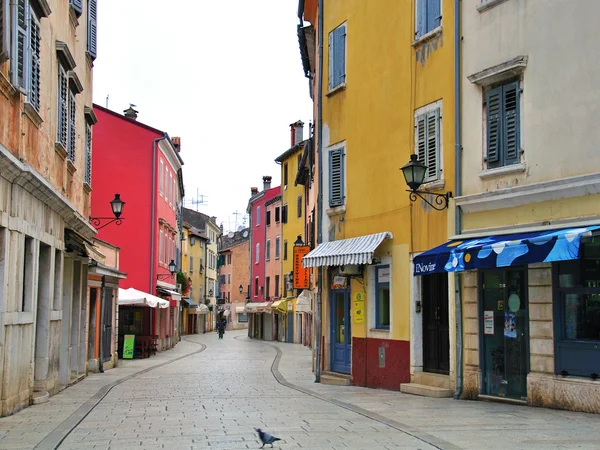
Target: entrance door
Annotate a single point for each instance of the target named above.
(505, 333)
(436, 339)
(341, 333)
(107, 314)
(290, 327)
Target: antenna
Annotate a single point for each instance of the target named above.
(236, 214)
(107, 96)
(197, 201)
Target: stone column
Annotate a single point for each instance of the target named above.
(83, 321)
(44, 306)
(472, 371)
(67, 303)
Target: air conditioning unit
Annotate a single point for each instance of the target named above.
(351, 269)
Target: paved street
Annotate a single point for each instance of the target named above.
(210, 393)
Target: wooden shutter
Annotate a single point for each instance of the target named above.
(284, 215)
(63, 111)
(77, 6)
(268, 218)
(433, 145)
(330, 71)
(35, 38)
(434, 14)
(510, 105)
(88, 154)
(92, 28)
(299, 206)
(336, 177)
(494, 125)
(420, 26)
(277, 214)
(72, 130)
(18, 63)
(4, 31)
(339, 55)
(421, 138)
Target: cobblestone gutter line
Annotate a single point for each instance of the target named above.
(406, 429)
(57, 436)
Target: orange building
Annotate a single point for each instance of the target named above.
(234, 273)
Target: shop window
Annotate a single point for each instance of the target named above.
(577, 311)
(242, 317)
(382, 297)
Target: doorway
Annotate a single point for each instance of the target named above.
(505, 333)
(436, 338)
(341, 332)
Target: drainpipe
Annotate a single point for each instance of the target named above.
(458, 192)
(102, 321)
(319, 322)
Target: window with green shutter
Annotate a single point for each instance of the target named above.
(428, 142)
(63, 108)
(337, 57)
(88, 154)
(503, 125)
(336, 177)
(33, 60)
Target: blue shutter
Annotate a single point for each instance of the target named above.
(420, 26)
(330, 71)
(77, 6)
(339, 51)
(510, 100)
(35, 38)
(434, 15)
(92, 28)
(18, 64)
(494, 125)
(336, 177)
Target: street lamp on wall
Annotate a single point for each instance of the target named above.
(414, 175)
(241, 289)
(116, 204)
(172, 270)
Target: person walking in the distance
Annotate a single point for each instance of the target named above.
(221, 328)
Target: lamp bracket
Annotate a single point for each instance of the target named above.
(96, 221)
(163, 275)
(440, 201)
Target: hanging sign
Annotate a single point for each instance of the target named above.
(301, 275)
(128, 346)
(488, 322)
(339, 283)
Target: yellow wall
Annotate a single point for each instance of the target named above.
(387, 79)
(197, 252)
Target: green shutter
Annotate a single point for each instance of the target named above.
(72, 130)
(494, 125)
(510, 100)
(336, 177)
(63, 111)
(88, 154)
(92, 30)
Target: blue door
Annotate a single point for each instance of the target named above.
(341, 332)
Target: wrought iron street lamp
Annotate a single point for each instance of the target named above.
(241, 289)
(414, 175)
(116, 204)
(172, 270)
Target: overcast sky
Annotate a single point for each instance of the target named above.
(224, 75)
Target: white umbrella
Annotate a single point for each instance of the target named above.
(133, 297)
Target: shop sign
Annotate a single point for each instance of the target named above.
(301, 275)
(359, 307)
(128, 346)
(488, 322)
(339, 283)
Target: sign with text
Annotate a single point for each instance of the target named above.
(301, 275)
(128, 346)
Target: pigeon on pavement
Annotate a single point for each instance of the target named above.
(266, 438)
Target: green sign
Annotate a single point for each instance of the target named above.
(128, 345)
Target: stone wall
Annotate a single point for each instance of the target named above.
(472, 371)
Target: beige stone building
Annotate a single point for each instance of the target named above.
(47, 50)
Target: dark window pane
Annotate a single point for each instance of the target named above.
(582, 316)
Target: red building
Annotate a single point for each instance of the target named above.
(143, 165)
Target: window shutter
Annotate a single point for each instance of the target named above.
(511, 122)
(339, 53)
(18, 63)
(434, 15)
(268, 250)
(72, 126)
(299, 206)
(331, 68)
(284, 215)
(421, 139)
(277, 214)
(420, 26)
(493, 107)
(336, 177)
(191, 263)
(77, 6)
(35, 38)
(63, 112)
(4, 31)
(88, 154)
(92, 28)
(433, 145)
(268, 218)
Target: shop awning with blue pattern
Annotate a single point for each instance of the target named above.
(502, 251)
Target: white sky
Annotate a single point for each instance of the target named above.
(224, 75)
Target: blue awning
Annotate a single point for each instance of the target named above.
(502, 251)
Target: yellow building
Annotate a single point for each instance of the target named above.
(194, 311)
(386, 92)
(293, 203)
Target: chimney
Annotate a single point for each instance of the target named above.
(297, 130)
(253, 191)
(176, 143)
(214, 219)
(131, 113)
(221, 227)
(266, 183)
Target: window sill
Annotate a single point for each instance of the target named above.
(379, 330)
(87, 188)
(427, 36)
(433, 185)
(336, 210)
(501, 171)
(71, 167)
(61, 150)
(7, 89)
(32, 114)
(488, 4)
(335, 90)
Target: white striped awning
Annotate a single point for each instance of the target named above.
(358, 250)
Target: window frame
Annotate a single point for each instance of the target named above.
(338, 199)
(277, 247)
(431, 112)
(258, 216)
(502, 158)
(62, 125)
(421, 14)
(268, 250)
(257, 253)
(378, 325)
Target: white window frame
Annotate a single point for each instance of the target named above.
(161, 177)
(424, 111)
(257, 253)
(258, 216)
(277, 247)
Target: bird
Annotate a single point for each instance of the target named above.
(266, 438)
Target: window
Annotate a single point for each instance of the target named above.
(285, 175)
(191, 264)
(28, 274)
(228, 278)
(72, 129)
(257, 215)
(257, 256)
(382, 297)
(268, 218)
(92, 28)
(299, 206)
(242, 317)
(577, 311)
(285, 250)
(256, 286)
(63, 107)
(429, 16)
(229, 259)
(336, 177)
(268, 284)
(276, 291)
(35, 38)
(337, 57)
(277, 214)
(503, 123)
(166, 185)
(427, 140)
(268, 250)
(160, 247)
(284, 215)
(88, 154)
(277, 245)
(77, 6)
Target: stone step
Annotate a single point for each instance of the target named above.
(431, 379)
(425, 391)
(40, 397)
(336, 379)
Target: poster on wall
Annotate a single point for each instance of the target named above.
(510, 325)
(339, 283)
(488, 322)
(128, 346)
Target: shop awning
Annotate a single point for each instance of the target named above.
(280, 306)
(502, 251)
(358, 250)
(133, 297)
(191, 303)
(202, 309)
(257, 307)
(174, 294)
(304, 301)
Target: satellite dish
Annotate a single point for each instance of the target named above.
(230, 234)
(245, 233)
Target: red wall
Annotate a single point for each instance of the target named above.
(365, 363)
(122, 163)
(165, 211)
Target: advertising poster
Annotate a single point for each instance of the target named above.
(510, 325)
(128, 345)
(488, 322)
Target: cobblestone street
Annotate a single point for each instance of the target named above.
(211, 393)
